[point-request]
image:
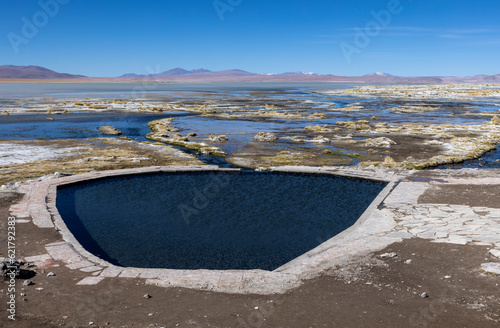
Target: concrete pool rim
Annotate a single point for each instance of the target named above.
(289, 275)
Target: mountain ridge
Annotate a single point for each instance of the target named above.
(33, 72)
(194, 72)
(12, 72)
(379, 74)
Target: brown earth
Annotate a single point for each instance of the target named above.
(371, 292)
(470, 195)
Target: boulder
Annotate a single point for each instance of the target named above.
(7, 266)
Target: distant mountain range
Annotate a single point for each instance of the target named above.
(294, 73)
(378, 74)
(11, 72)
(32, 72)
(195, 72)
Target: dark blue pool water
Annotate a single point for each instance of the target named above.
(241, 220)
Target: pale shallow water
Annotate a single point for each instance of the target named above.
(8, 90)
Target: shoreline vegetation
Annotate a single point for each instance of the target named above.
(388, 126)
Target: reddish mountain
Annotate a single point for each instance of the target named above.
(32, 72)
(176, 72)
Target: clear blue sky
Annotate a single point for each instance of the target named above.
(113, 37)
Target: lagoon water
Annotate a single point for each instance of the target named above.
(246, 220)
(77, 126)
(16, 90)
(302, 96)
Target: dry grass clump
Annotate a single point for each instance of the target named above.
(265, 137)
(97, 107)
(379, 142)
(317, 128)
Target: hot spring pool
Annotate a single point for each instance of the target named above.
(211, 220)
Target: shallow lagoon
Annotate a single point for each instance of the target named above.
(81, 125)
(293, 97)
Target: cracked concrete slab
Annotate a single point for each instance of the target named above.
(404, 209)
(491, 267)
(90, 281)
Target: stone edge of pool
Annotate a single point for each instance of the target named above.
(377, 228)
